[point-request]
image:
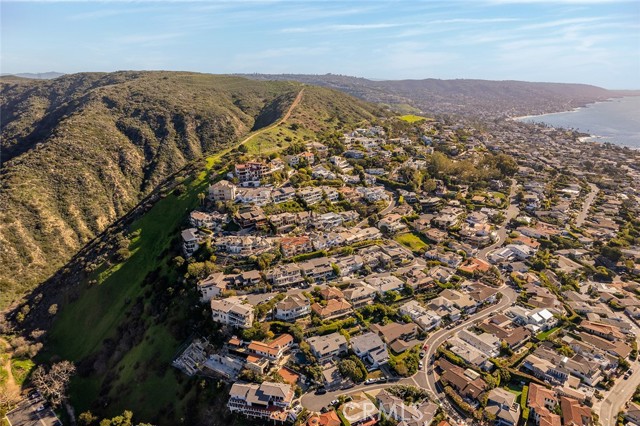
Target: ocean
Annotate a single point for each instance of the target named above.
(616, 121)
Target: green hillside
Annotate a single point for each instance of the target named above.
(122, 322)
(82, 150)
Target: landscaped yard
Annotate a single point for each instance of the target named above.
(546, 334)
(411, 240)
(410, 118)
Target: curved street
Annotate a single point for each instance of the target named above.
(425, 378)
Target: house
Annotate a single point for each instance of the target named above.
(330, 418)
(318, 269)
(328, 220)
(212, 286)
(370, 348)
(268, 400)
(542, 403)
(273, 350)
(384, 283)
(190, 241)
(292, 307)
(256, 196)
(330, 292)
(359, 294)
(310, 195)
(360, 411)
(467, 383)
(426, 319)
(191, 360)
(329, 346)
(460, 300)
(253, 217)
(247, 278)
(602, 330)
(503, 406)
(282, 195)
(245, 246)
(449, 258)
(335, 308)
(486, 343)
(293, 246)
(482, 294)
(232, 311)
(349, 264)
(251, 173)
(284, 221)
(222, 191)
(391, 223)
(212, 221)
(633, 414)
(399, 337)
(574, 413)
(406, 415)
(288, 274)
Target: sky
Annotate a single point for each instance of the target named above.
(570, 41)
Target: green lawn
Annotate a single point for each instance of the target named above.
(411, 240)
(546, 334)
(83, 325)
(410, 118)
(515, 389)
(20, 368)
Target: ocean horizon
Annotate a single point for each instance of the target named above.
(616, 121)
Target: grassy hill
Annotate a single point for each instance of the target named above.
(122, 322)
(81, 150)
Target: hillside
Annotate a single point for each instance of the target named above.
(82, 150)
(480, 98)
(122, 321)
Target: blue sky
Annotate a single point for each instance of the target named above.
(581, 41)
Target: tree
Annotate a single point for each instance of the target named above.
(202, 196)
(349, 368)
(53, 384)
(87, 418)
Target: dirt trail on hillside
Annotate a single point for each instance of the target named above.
(284, 118)
(9, 389)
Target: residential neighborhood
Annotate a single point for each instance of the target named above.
(350, 288)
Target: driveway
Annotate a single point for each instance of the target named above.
(30, 412)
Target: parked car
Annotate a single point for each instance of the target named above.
(321, 391)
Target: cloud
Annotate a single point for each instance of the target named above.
(339, 28)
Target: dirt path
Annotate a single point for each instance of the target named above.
(10, 387)
(284, 118)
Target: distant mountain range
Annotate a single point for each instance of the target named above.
(479, 98)
(37, 76)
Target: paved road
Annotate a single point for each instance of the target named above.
(512, 212)
(425, 377)
(30, 412)
(587, 204)
(620, 393)
(392, 204)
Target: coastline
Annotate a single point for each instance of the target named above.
(586, 121)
